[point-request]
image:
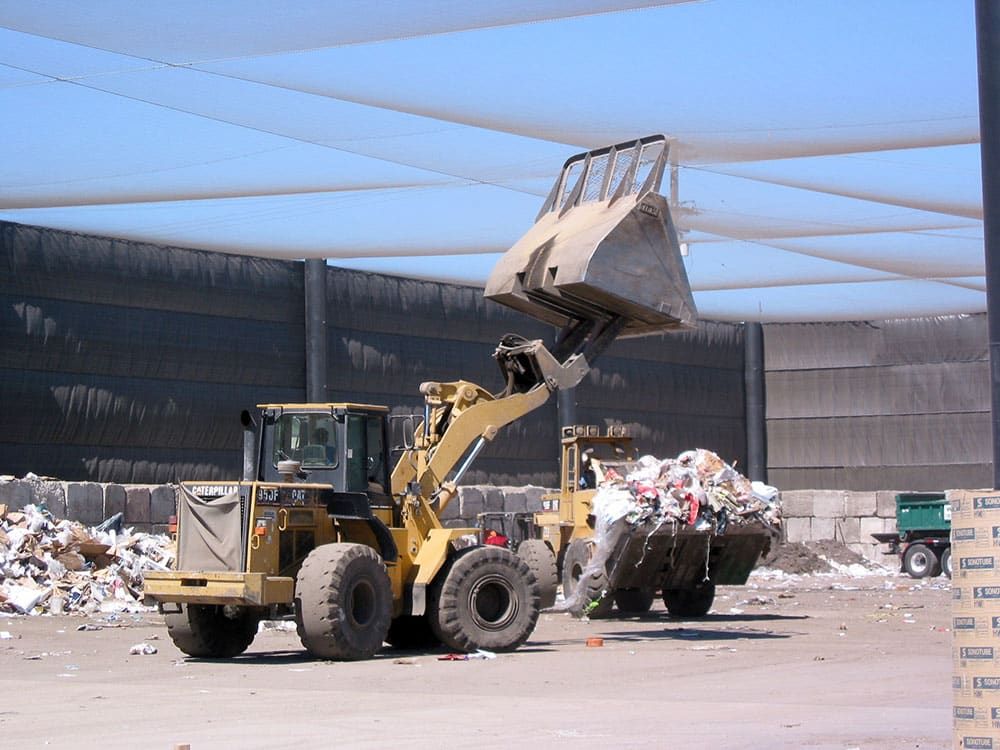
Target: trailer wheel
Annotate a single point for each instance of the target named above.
(411, 632)
(692, 602)
(211, 631)
(343, 601)
(484, 598)
(946, 561)
(539, 558)
(634, 601)
(920, 561)
(595, 600)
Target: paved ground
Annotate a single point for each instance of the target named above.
(816, 662)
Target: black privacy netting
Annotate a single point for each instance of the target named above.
(129, 362)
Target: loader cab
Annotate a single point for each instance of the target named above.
(342, 445)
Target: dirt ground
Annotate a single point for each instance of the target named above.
(789, 661)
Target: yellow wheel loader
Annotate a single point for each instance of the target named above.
(683, 564)
(320, 530)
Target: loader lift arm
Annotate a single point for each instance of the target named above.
(602, 261)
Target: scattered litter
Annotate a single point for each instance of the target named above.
(595, 642)
(482, 653)
(58, 566)
(89, 626)
(5, 635)
(405, 662)
(142, 649)
(454, 657)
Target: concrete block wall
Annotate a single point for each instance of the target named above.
(146, 507)
(846, 516)
(850, 517)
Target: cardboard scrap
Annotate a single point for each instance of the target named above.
(62, 566)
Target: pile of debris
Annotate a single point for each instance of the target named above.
(696, 489)
(61, 566)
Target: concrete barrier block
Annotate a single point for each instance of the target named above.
(493, 499)
(859, 504)
(114, 500)
(885, 504)
(473, 503)
(873, 525)
(515, 500)
(822, 528)
(85, 503)
(162, 503)
(849, 530)
(828, 504)
(137, 506)
(533, 497)
(797, 530)
(16, 494)
(50, 494)
(797, 503)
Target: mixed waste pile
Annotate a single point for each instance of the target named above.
(61, 566)
(697, 489)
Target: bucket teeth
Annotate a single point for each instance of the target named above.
(603, 246)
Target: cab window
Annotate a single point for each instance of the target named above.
(308, 438)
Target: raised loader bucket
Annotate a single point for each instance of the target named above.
(603, 247)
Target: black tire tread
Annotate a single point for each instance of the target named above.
(320, 620)
(578, 552)
(203, 631)
(542, 562)
(453, 627)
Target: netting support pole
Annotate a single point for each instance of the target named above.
(988, 50)
(753, 379)
(315, 294)
(566, 406)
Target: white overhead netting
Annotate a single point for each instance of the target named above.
(827, 160)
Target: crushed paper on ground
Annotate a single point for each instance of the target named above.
(56, 566)
(696, 489)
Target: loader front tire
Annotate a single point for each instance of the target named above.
(690, 602)
(343, 602)
(538, 556)
(595, 600)
(211, 631)
(484, 598)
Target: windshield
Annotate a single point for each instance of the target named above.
(309, 438)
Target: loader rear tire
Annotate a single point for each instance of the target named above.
(540, 560)
(578, 555)
(484, 598)
(634, 601)
(343, 602)
(691, 602)
(411, 632)
(211, 631)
